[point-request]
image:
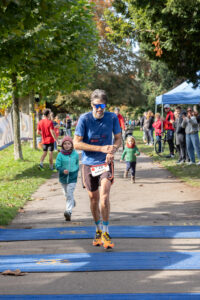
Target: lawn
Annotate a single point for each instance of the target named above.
(188, 174)
(19, 179)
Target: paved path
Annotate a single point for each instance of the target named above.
(157, 198)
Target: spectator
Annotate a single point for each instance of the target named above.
(120, 118)
(158, 126)
(68, 125)
(180, 135)
(192, 137)
(142, 120)
(148, 128)
(169, 120)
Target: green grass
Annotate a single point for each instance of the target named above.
(188, 174)
(19, 179)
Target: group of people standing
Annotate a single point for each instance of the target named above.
(182, 130)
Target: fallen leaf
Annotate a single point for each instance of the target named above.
(16, 272)
(21, 210)
(53, 190)
(141, 185)
(182, 191)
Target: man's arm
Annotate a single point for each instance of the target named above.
(39, 132)
(53, 134)
(117, 140)
(80, 145)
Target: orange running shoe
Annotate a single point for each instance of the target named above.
(106, 241)
(97, 240)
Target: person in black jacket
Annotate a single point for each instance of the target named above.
(148, 128)
(180, 138)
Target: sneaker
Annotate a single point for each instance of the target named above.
(125, 174)
(180, 162)
(67, 216)
(97, 240)
(170, 156)
(132, 179)
(53, 169)
(106, 241)
(41, 167)
(190, 163)
(198, 163)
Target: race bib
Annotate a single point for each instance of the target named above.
(99, 169)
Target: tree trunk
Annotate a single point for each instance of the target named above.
(16, 120)
(32, 113)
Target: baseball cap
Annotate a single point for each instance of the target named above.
(166, 106)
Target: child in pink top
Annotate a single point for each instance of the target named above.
(158, 126)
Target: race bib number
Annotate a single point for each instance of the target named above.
(99, 169)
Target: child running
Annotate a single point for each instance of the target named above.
(130, 152)
(67, 163)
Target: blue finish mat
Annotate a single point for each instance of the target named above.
(105, 261)
(142, 296)
(87, 232)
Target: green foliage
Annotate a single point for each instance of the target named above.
(18, 180)
(175, 25)
(121, 88)
(156, 79)
(48, 43)
(5, 93)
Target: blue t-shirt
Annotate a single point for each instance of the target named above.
(97, 132)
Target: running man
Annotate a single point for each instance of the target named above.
(93, 135)
(46, 130)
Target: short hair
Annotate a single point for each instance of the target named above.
(157, 114)
(178, 107)
(117, 109)
(99, 94)
(46, 112)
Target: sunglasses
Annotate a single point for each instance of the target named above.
(102, 106)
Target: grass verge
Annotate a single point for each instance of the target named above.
(19, 180)
(188, 174)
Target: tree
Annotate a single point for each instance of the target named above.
(45, 46)
(155, 79)
(167, 31)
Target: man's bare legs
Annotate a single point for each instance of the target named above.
(103, 196)
(94, 204)
(104, 199)
(43, 157)
(51, 159)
